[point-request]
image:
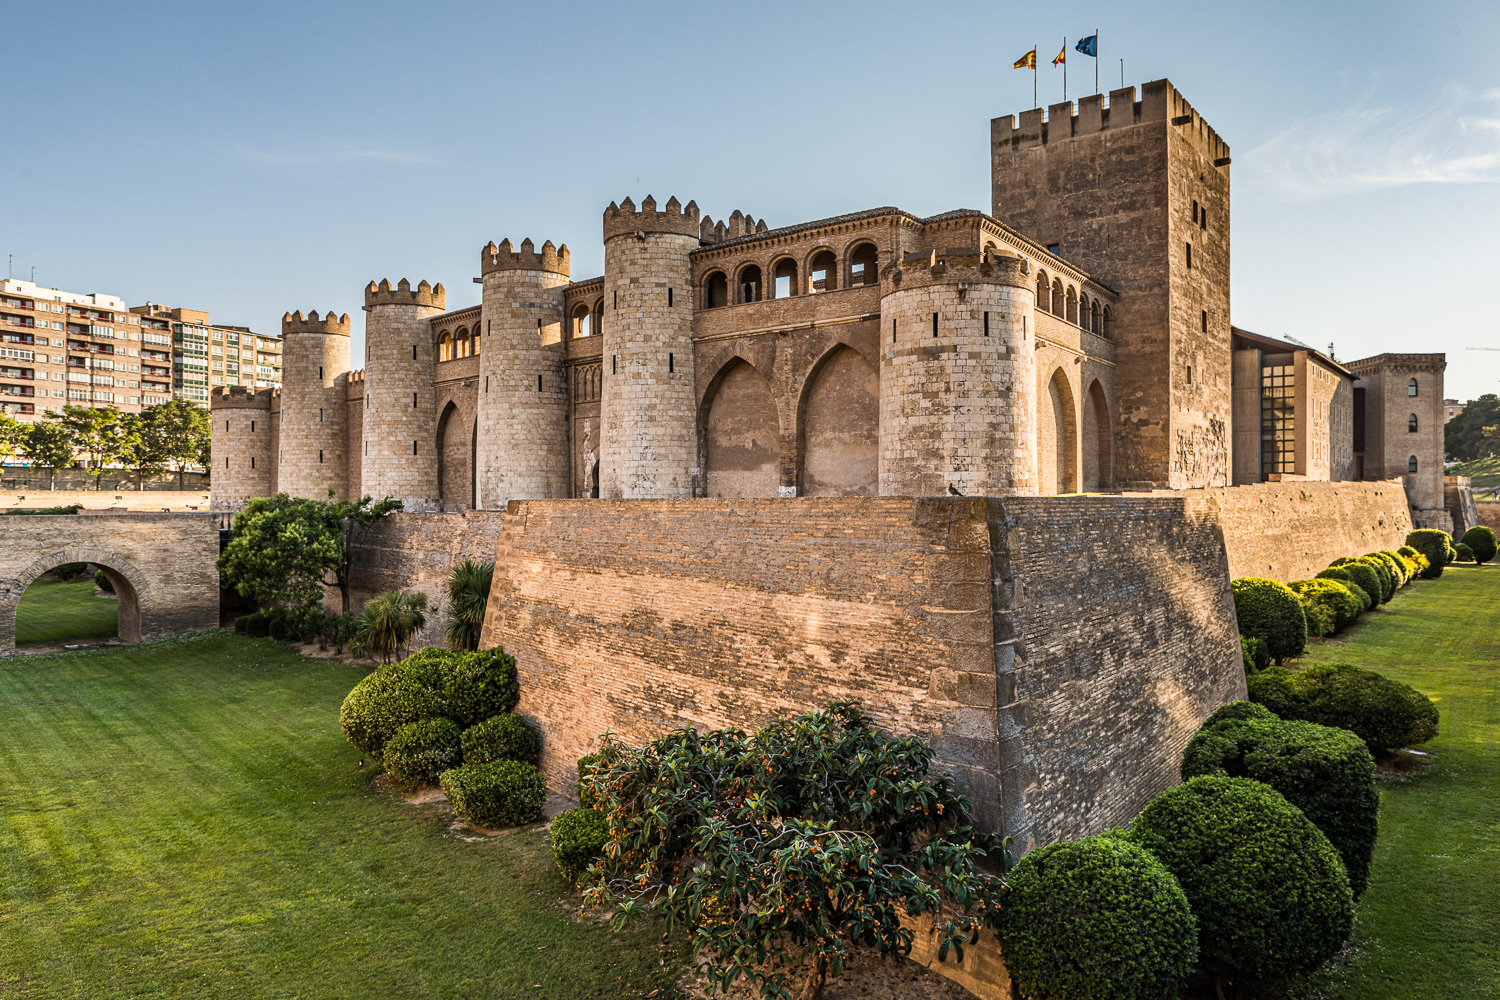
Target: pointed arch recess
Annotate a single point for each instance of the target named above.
(839, 425)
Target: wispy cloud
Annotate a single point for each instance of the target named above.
(1456, 141)
(331, 155)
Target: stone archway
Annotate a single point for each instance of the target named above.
(839, 427)
(161, 566)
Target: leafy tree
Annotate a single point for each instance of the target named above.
(468, 596)
(790, 843)
(387, 623)
(148, 452)
(101, 435)
(48, 444)
(1468, 436)
(11, 431)
(183, 430)
(284, 549)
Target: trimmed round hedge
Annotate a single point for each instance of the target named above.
(1327, 773)
(1342, 576)
(1367, 580)
(432, 683)
(1481, 541)
(1269, 611)
(1386, 714)
(578, 839)
(1339, 598)
(420, 751)
(1383, 575)
(1100, 918)
(505, 793)
(1434, 546)
(1238, 711)
(504, 737)
(1254, 652)
(1268, 890)
(1395, 565)
(1465, 554)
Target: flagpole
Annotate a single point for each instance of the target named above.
(1034, 49)
(1096, 60)
(1065, 68)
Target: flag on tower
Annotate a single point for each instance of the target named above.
(1062, 55)
(1089, 46)
(1028, 61)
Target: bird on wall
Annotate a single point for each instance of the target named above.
(953, 490)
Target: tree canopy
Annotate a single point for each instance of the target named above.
(1475, 432)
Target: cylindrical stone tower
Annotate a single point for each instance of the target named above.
(240, 442)
(400, 458)
(313, 443)
(522, 452)
(647, 406)
(958, 375)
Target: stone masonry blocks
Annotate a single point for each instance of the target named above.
(400, 432)
(312, 439)
(240, 442)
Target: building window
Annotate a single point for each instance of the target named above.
(1411, 424)
(1190, 256)
(1411, 387)
(1203, 321)
(1278, 420)
(1411, 464)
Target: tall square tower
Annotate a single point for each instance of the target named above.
(1137, 193)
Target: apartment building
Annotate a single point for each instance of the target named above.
(62, 348)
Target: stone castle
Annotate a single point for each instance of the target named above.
(1077, 339)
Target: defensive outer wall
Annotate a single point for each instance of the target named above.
(161, 566)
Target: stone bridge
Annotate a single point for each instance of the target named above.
(161, 566)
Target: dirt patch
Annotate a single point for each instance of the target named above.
(868, 977)
(1403, 765)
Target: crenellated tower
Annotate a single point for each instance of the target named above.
(957, 375)
(313, 456)
(523, 388)
(400, 436)
(648, 406)
(244, 461)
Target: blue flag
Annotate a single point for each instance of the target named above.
(1089, 46)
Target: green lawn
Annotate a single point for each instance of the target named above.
(1484, 471)
(1429, 924)
(52, 611)
(185, 819)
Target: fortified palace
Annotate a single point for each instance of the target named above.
(1076, 339)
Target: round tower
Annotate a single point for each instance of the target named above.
(957, 375)
(522, 452)
(400, 434)
(647, 406)
(240, 442)
(312, 442)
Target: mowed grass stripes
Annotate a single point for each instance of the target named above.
(186, 819)
(54, 611)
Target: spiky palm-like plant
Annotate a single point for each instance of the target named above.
(468, 595)
(387, 623)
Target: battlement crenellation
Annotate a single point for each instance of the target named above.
(506, 258)
(240, 397)
(1158, 101)
(330, 323)
(433, 296)
(955, 265)
(625, 219)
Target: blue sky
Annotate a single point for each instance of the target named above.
(257, 158)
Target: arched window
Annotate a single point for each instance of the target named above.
(785, 279)
(822, 272)
(445, 348)
(864, 265)
(1109, 324)
(598, 323)
(749, 284)
(1072, 304)
(1411, 424)
(474, 340)
(716, 291)
(461, 343)
(1094, 317)
(1043, 292)
(583, 322)
(1411, 464)
(1057, 297)
(1411, 387)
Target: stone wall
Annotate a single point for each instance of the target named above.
(1056, 671)
(1291, 530)
(415, 552)
(161, 566)
(1488, 514)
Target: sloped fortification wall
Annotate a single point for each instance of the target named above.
(415, 552)
(1290, 531)
(1057, 652)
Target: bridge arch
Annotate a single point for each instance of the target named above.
(127, 579)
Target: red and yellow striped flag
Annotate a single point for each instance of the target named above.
(1062, 56)
(1028, 61)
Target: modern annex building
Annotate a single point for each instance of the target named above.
(1075, 339)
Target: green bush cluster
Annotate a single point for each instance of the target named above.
(1465, 554)
(1383, 576)
(1481, 542)
(1330, 606)
(466, 687)
(503, 793)
(1268, 890)
(1270, 611)
(578, 839)
(502, 737)
(1327, 773)
(1254, 652)
(1386, 714)
(30, 511)
(71, 571)
(587, 797)
(101, 580)
(1094, 919)
(1435, 546)
(420, 751)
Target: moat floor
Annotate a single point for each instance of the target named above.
(52, 611)
(185, 819)
(1429, 923)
